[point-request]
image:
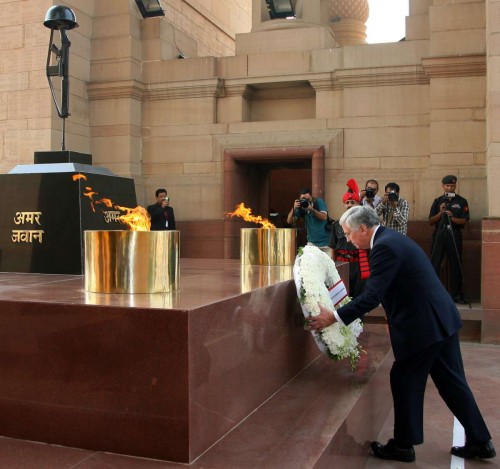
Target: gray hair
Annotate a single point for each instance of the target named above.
(360, 215)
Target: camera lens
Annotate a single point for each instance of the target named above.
(393, 196)
(304, 203)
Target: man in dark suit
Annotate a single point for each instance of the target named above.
(423, 326)
(162, 215)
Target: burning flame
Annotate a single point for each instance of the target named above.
(137, 219)
(246, 213)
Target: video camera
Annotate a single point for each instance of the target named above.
(449, 195)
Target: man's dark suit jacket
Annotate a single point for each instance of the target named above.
(158, 218)
(419, 310)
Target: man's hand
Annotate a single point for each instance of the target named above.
(443, 209)
(324, 319)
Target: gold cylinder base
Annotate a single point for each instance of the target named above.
(261, 246)
(131, 261)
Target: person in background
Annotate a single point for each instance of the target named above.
(449, 213)
(345, 251)
(315, 214)
(161, 213)
(393, 209)
(368, 196)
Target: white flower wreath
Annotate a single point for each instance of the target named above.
(318, 282)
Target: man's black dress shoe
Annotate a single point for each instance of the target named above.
(459, 299)
(470, 451)
(391, 451)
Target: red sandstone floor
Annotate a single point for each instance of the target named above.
(247, 444)
(262, 440)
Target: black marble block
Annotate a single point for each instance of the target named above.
(43, 217)
(44, 157)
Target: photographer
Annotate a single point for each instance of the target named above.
(315, 214)
(368, 195)
(161, 213)
(345, 251)
(449, 213)
(393, 210)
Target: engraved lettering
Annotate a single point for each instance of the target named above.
(27, 217)
(111, 216)
(27, 236)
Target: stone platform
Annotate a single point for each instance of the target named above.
(100, 374)
(160, 376)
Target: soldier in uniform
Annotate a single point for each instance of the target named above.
(345, 251)
(449, 214)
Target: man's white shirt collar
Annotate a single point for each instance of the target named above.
(373, 236)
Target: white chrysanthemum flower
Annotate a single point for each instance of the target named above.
(314, 272)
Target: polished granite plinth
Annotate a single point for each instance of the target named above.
(321, 418)
(155, 375)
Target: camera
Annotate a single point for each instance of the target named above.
(393, 196)
(449, 195)
(304, 203)
(370, 192)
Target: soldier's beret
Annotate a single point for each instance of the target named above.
(449, 179)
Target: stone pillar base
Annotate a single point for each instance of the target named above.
(490, 279)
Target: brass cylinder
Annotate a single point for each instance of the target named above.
(131, 261)
(260, 246)
(256, 276)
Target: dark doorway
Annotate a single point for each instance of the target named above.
(268, 181)
(284, 187)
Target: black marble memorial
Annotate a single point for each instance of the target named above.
(44, 211)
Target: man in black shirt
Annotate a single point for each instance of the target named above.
(449, 214)
(162, 215)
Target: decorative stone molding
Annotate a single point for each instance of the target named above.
(236, 89)
(339, 79)
(135, 90)
(383, 76)
(212, 87)
(456, 66)
(324, 82)
(115, 90)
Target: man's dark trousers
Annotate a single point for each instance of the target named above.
(443, 361)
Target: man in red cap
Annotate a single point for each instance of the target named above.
(345, 251)
(449, 214)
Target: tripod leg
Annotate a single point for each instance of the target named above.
(453, 252)
(438, 250)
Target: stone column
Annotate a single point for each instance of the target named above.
(115, 87)
(347, 20)
(490, 272)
